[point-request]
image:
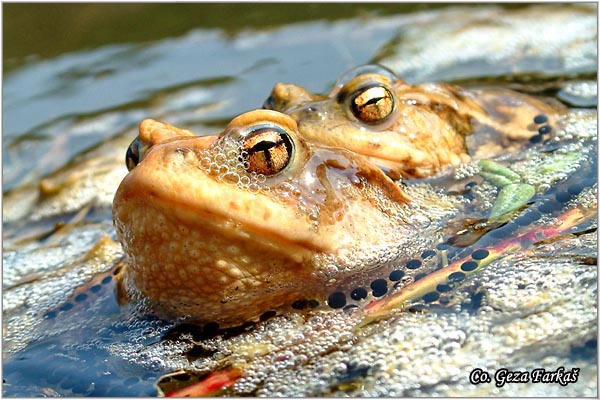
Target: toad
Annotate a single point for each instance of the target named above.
(227, 227)
(414, 131)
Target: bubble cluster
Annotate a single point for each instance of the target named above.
(579, 125)
(466, 170)
(75, 347)
(54, 273)
(225, 162)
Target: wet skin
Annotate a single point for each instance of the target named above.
(223, 228)
(408, 130)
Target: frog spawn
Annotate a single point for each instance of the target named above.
(547, 163)
(43, 339)
(88, 359)
(328, 355)
(544, 170)
(26, 301)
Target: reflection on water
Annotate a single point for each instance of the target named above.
(71, 109)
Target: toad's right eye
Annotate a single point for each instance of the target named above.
(134, 151)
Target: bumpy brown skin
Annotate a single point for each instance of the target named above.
(429, 129)
(204, 244)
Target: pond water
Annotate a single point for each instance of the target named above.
(78, 79)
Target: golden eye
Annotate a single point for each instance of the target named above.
(267, 150)
(373, 104)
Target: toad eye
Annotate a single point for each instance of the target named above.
(134, 154)
(267, 150)
(372, 104)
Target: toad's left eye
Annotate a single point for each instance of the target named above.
(372, 104)
(267, 150)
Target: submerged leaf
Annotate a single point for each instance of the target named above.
(510, 198)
